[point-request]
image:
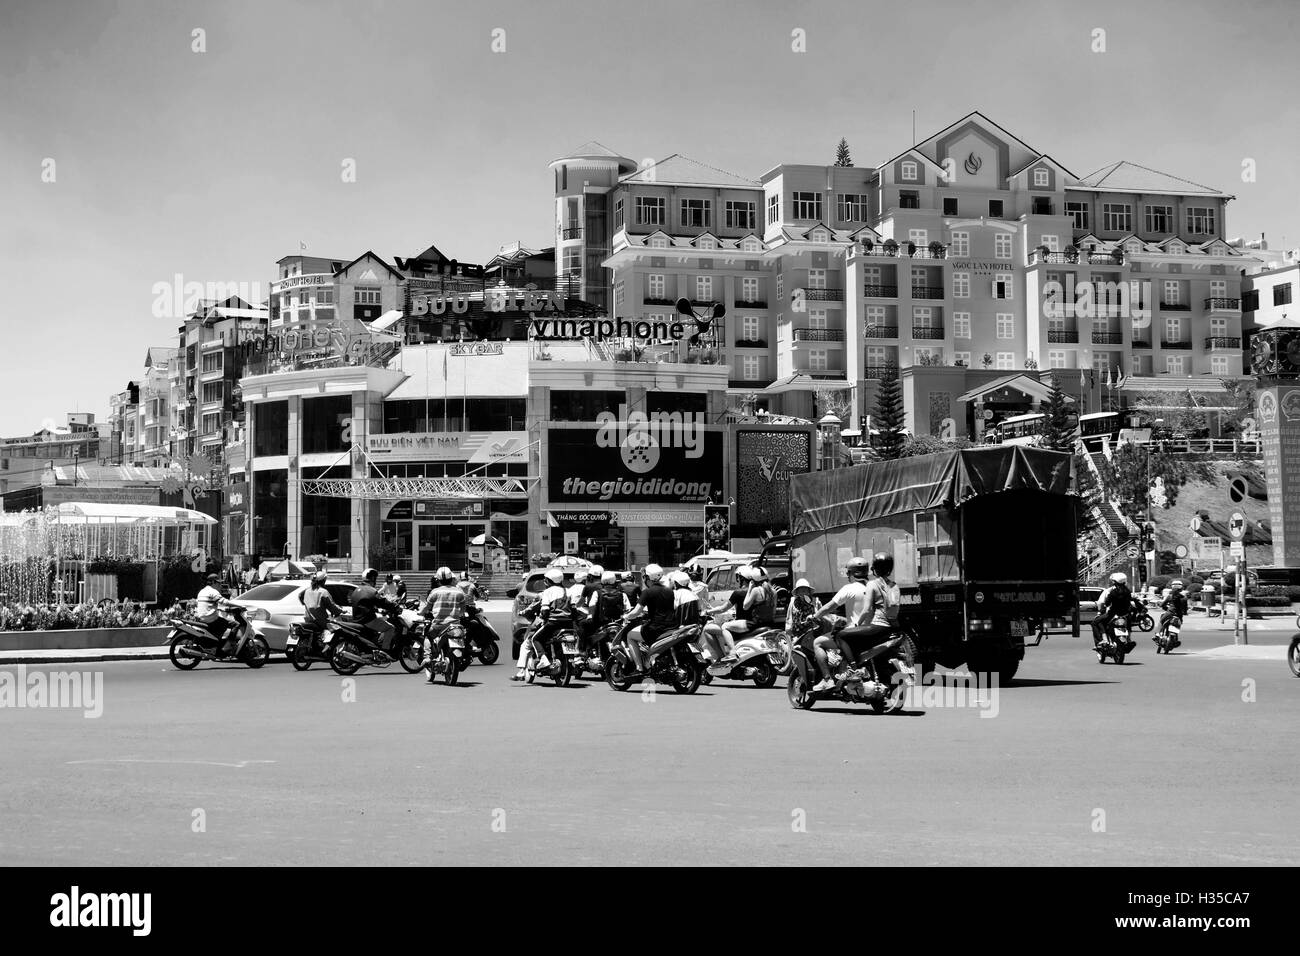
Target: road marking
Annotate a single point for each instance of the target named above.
(207, 763)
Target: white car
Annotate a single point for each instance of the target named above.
(281, 601)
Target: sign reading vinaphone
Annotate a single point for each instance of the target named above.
(543, 311)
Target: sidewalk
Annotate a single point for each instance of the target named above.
(86, 654)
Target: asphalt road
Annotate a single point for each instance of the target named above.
(1158, 761)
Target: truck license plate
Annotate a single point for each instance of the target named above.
(1019, 629)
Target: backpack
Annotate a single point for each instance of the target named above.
(610, 606)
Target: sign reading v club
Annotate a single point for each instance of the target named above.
(768, 466)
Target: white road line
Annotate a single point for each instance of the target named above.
(206, 763)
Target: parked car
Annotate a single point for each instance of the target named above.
(280, 599)
(1088, 598)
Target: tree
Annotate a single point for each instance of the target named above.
(1241, 396)
(842, 157)
(1058, 428)
(889, 416)
(1133, 469)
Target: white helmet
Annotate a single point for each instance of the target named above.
(397, 577)
(555, 575)
(608, 577)
(1176, 585)
(653, 572)
(445, 575)
(745, 572)
(803, 583)
(1119, 577)
(579, 576)
(759, 574)
(596, 571)
(680, 579)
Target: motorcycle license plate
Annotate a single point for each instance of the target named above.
(291, 641)
(327, 637)
(1019, 628)
(570, 647)
(455, 642)
(1121, 633)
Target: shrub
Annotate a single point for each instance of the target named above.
(1270, 601)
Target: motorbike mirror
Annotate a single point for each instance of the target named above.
(684, 307)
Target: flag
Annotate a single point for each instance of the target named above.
(550, 520)
(1119, 382)
(1083, 383)
(1108, 382)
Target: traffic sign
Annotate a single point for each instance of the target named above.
(1132, 551)
(1237, 525)
(1237, 490)
(1180, 551)
(1195, 523)
(1239, 550)
(1205, 549)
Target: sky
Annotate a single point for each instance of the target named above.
(212, 165)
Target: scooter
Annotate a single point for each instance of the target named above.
(1116, 641)
(759, 656)
(675, 658)
(484, 642)
(1140, 618)
(1293, 655)
(352, 645)
(1166, 638)
(560, 647)
(878, 677)
(457, 656)
(305, 646)
(192, 642)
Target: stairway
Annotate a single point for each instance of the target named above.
(420, 583)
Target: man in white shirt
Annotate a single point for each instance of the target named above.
(855, 599)
(553, 613)
(207, 609)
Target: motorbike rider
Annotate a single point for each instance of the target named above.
(389, 589)
(367, 602)
(854, 599)
(880, 619)
(657, 605)
(803, 605)
(401, 588)
(686, 603)
(207, 611)
(318, 602)
(1115, 601)
(553, 613)
(446, 604)
(1174, 606)
(608, 603)
(697, 584)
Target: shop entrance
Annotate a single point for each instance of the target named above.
(437, 545)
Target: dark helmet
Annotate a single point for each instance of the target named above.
(371, 575)
(212, 579)
(882, 564)
(696, 572)
(857, 568)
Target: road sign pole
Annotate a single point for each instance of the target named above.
(1243, 578)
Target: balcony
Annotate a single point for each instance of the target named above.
(751, 343)
(824, 295)
(877, 371)
(1062, 336)
(752, 304)
(1222, 305)
(818, 335)
(1223, 342)
(1107, 338)
(927, 331)
(880, 291)
(1175, 307)
(573, 232)
(658, 300)
(1053, 258)
(927, 292)
(1180, 344)
(1141, 344)
(1115, 258)
(881, 332)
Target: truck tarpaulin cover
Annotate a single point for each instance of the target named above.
(845, 497)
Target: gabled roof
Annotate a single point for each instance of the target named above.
(1126, 177)
(158, 355)
(679, 170)
(706, 234)
(868, 231)
(1041, 158)
(592, 149)
(1020, 382)
(380, 260)
(972, 113)
(915, 152)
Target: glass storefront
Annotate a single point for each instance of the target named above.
(675, 546)
(326, 522)
(322, 423)
(271, 512)
(270, 429)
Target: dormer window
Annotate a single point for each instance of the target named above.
(1175, 248)
(751, 245)
(1040, 176)
(658, 241)
(707, 242)
(819, 235)
(1132, 247)
(908, 170)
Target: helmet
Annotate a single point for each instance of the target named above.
(758, 573)
(319, 577)
(1176, 585)
(371, 575)
(857, 568)
(608, 577)
(555, 575)
(745, 572)
(680, 579)
(397, 577)
(445, 575)
(1119, 577)
(579, 576)
(212, 579)
(653, 572)
(882, 564)
(802, 583)
(595, 571)
(388, 576)
(696, 572)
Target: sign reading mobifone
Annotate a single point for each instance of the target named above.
(1278, 408)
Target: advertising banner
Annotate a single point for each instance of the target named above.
(1279, 428)
(765, 460)
(477, 447)
(588, 466)
(717, 527)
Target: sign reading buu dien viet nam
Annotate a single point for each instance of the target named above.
(475, 447)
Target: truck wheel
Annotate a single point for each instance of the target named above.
(1007, 672)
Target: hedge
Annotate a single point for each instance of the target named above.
(1272, 601)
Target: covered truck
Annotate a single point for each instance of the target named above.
(983, 542)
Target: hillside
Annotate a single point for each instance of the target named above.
(1173, 524)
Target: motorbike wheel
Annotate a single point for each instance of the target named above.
(1119, 656)
(183, 661)
(341, 664)
(256, 652)
(1146, 624)
(408, 655)
(1293, 656)
(690, 683)
(782, 660)
(1101, 657)
(764, 673)
(565, 675)
(301, 658)
(798, 692)
(490, 653)
(452, 673)
(706, 678)
(614, 675)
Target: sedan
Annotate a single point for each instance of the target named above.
(281, 601)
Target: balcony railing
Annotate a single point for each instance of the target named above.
(1062, 336)
(902, 251)
(573, 232)
(824, 295)
(751, 343)
(1055, 258)
(752, 304)
(1107, 338)
(880, 291)
(1141, 344)
(881, 332)
(1179, 344)
(927, 331)
(927, 292)
(818, 335)
(877, 371)
(1115, 258)
(1223, 305)
(658, 300)
(1175, 307)
(1223, 342)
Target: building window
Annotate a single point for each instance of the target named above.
(213, 392)
(817, 360)
(1006, 360)
(1160, 219)
(876, 315)
(751, 245)
(961, 358)
(1056, 360)
(658, 241)
(1175, 365)
(852, 207)
(1173, 330)
(1053, 243)
(919, 280)
(923, 316)
(1218, 288)
(1200, 221)
(1002, 245)
(704, 288)
(773, 210)
(1078, 211)
(740, 215)
(1282, 294)
(696, 213)
(1116, 217)
(949, 206)
(907, 170)
(571, 264)
(655, 286)
(650, 211)
(929, 356)
(1041, 206)
(749, 328)
(749, 290)
(820, 235)
(324, 297)
(1218, 365)
(1040, 176)
(618, 213)
(1218, 326)
(919, 237)
(877, 356)
(960, 245)
(807, 205)
(816, 278)
(961, 285)
(909, 199)
(212, 362)
(707, 243)
(1002, 285)
(749, 368)
(1006, 325)
(365, 295)
(816, 318)
(1175, 248)
(995, 208)
(1173, 292)
(1135, 366)
(961, 325)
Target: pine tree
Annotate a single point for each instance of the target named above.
(842, 153)
(889, 416)
(1058, 429)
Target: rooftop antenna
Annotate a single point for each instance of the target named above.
(913, 127)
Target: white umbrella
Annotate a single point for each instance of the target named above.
(486, 539)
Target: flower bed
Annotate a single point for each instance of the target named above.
(68, 617)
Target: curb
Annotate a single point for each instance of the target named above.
(89, 655)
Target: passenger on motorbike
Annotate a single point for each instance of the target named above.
(880, 619)
(320, 606)
(367, 602)
(446, 604)
(608, 602)
(1115, 601)
(803, 605)
(553, 614)
(854, 599)
(657, 606)
(1174, 605)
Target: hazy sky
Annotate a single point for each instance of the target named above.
(213, 165)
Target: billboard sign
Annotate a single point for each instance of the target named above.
(586, 467)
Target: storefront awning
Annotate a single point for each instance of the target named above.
(1019, 382)
(95, 511)
(801, 381)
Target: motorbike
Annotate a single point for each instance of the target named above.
(1293, 655)
(1166, 638)
(559, 649)
(484, 643)
(191, 641)
(760, 656)
(457, 657)
(1140, 617)
(305, 645)
(352, 645)
(878, 676)
(595, 658)
(675, 658)
(1116, 641)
